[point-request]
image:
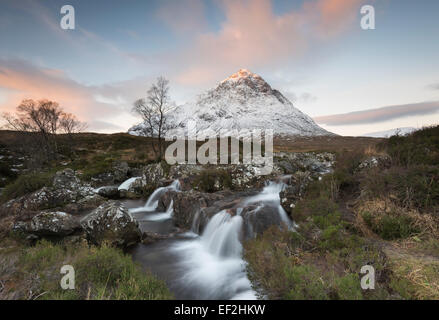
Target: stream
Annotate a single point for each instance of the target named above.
(199, 266)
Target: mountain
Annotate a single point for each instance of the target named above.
(388, 133)
(244, 101)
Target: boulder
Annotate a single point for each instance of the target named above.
(57, 224)
(66, 189)
(316, 163)
(153, 174)
(120, 171)
(112, 223)
(110, 192)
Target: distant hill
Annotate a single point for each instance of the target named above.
(388, 133)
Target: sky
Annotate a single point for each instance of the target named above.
(351, 81)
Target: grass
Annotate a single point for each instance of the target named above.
(102, 273)
(349, 219)
(25, 184)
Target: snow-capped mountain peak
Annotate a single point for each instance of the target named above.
(244, 101)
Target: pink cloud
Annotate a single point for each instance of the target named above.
(21, 80)
(253, 36)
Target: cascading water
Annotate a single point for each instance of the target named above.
(208, 265)
(213, 264)
(270, 196)
(153, 200)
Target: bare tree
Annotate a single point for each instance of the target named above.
(45, 120)
(155, 111)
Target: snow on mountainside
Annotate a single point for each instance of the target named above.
(388, 133)
(243, 101)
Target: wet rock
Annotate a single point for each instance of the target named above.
(110, 192)
(188, 204)
(193, 209)
(258, 218)
(294, 190)
(111, 223)
(58, 224)
(134, 189)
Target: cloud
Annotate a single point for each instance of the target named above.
(96, 105)
(253, 36)
(380, 114)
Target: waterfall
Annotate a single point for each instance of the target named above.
(162, 215)
(221, 236)
(213, 261)
(270, 196)
(153, 200)
(210, 265)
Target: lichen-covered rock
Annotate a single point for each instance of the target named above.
(85, 204)
(111, 223)
(65, 189)
(381, 161)
(58, 224)
(152, 174)
(315, 163)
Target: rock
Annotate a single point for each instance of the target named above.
(66, 189)
(110, 192)
(316, 163)
(193, 209)
(381, 161)
(111, 222)
(257, 219)
(65, 179)
(85, 204)
(120, 171)
(58, 224)
(294, 191)
(152, 174)
(131, 188)
(105, 178)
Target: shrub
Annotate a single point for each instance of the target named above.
(390, 226)
(348, 287)
(332, 238)
(412, 187)
(306, 283)
(420, 147)
(27, 183)
(211, 180)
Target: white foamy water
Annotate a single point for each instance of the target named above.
(161, 215)
(270, 196)
(153, 200)
(213, 262)
(127, 183)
